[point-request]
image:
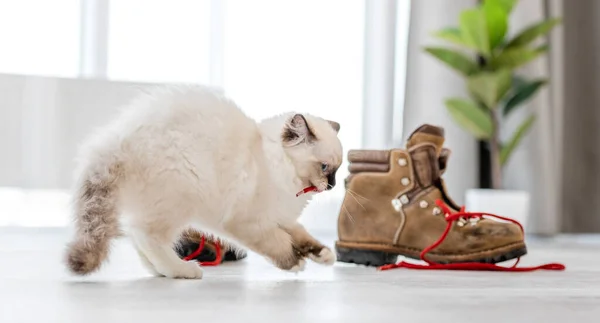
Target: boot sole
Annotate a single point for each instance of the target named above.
(389, 255)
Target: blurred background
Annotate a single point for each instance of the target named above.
(66, 66)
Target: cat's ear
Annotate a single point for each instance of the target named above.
(296, 131)
(334, 125)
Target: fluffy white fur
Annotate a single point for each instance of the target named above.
(189, 156)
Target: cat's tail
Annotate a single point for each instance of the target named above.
(96, 216)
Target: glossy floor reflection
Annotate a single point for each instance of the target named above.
(35, 288)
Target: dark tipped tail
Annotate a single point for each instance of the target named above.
(96, 220)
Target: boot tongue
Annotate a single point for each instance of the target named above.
(427, 134)
(429, 163)
(425, 146)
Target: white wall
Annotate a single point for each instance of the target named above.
(42, 120)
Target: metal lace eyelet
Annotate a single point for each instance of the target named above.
(404, 199)
(396, 204)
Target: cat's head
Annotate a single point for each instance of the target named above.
(315, 149)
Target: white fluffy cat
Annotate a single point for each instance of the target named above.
(190, 157)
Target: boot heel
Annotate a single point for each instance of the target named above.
(365, 257)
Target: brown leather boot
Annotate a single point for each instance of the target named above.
(390, 210)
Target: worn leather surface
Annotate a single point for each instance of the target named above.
(368, 216)
(422, 228)
(369, 156)
(368, 167)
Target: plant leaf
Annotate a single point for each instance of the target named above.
(469, 116)
(543, 48)
(508, 149)
(532, 32)
(522, 93)
(496, 19)
(490, 87)
(473, 30)
(506, 5)
(451, 35)
(513, 58)
(518, 81)
(454, 59)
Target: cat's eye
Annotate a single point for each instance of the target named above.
(324, 167)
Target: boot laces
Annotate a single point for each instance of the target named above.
(451, 217)
(218, 258)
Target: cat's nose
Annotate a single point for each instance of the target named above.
(330, 181)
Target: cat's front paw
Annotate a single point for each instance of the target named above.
(325, 257)
(293, 264)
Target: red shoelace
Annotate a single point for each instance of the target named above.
(306, 190)
(451, 217)
(198, 251)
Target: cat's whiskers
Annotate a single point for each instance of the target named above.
(356, 194)
(346, 209)
(354, 197)
(348, 214)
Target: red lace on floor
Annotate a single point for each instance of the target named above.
(451, 217)
(198, 251)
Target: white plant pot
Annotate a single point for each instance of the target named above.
(507, 203)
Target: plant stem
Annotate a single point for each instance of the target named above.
(495, 153)
(484, 159)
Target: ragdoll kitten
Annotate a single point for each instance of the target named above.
(190, 156)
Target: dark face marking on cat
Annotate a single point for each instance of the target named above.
(331, 180)
(330, 175)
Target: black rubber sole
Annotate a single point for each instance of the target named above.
(365, 257)
(380, 258)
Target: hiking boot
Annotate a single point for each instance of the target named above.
(190, 241)
(390, 210)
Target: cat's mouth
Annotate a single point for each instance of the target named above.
(308, 189)
(318, 187)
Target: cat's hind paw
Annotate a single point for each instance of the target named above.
(185, 270)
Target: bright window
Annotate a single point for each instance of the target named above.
(270, 56)
(40, 37)
(159, 40)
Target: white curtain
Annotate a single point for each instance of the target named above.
(537, 165)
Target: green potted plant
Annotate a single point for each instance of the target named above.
(489, 60)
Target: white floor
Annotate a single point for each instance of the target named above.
(35, 288)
